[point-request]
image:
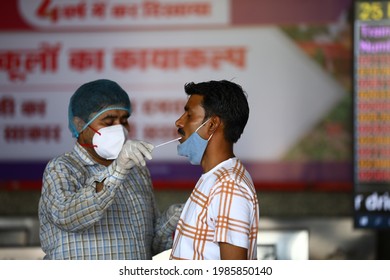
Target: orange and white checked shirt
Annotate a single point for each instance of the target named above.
(223, 207)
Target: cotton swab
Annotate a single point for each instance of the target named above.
(165, 143)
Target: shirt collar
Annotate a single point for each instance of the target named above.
(83, 154)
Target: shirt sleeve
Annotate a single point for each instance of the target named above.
(230, 212)
(163, 235)
(70, 199)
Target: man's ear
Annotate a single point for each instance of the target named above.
(79, 123)
(215, 122)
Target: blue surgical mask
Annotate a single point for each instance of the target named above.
(194, 147)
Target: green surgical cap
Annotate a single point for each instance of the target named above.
(92, 99)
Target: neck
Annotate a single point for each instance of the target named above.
(217, 151)
(91, 151)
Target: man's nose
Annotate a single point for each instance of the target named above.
(178, 123)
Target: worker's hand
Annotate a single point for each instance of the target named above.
(173, 214)
(134, 153)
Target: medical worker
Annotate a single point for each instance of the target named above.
(97, 200)
(220, 218)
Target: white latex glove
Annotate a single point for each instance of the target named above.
(134, 153)
(173, 213)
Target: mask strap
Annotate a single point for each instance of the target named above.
(88, 145)
(94, 130)
(201, 125)
(91, 145)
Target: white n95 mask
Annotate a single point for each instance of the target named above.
(108, 141)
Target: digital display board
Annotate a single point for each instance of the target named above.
(372, 114)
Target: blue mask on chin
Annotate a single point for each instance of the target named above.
(193, 147)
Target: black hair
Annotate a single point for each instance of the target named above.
(226, 100)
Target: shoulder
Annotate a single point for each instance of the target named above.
(230, 170)
(232, 174)
(65, 161)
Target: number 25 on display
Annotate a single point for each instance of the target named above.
(367, 11)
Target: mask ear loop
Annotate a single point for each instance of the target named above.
(203, 125)
(91, 145)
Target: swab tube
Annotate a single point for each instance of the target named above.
(165, 143)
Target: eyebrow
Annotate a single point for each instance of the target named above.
(114, 116)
